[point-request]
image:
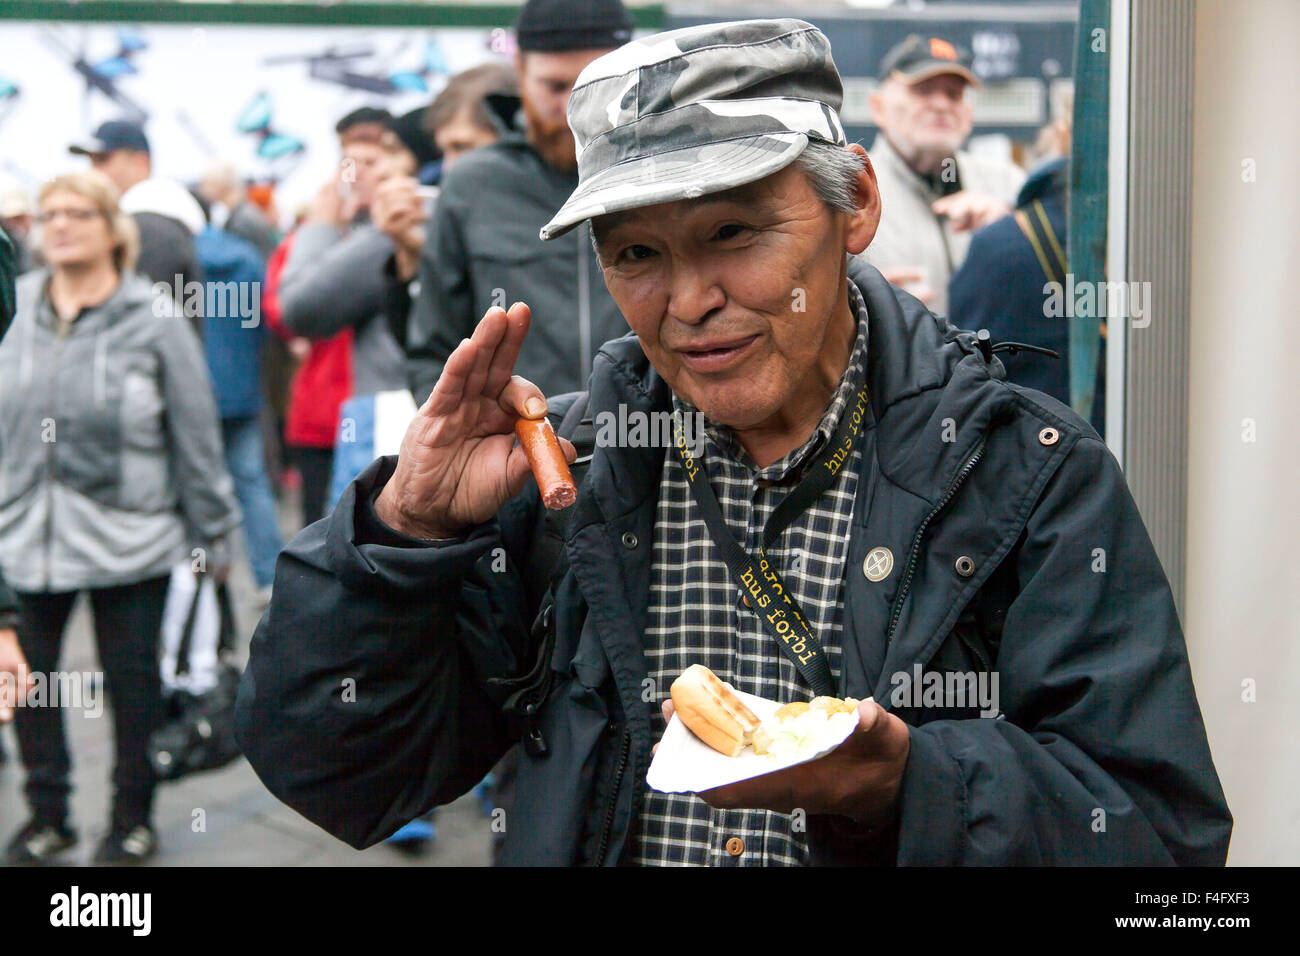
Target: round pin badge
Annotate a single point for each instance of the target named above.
(878, 563)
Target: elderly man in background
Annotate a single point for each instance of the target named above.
(922, 516)
(934, 194)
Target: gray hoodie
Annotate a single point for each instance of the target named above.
(111, 466)
(334, 279)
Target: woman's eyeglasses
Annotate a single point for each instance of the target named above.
(77, 215)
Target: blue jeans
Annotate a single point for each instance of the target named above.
(247, 465)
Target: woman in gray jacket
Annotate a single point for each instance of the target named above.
(111, 472)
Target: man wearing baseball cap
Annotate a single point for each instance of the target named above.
(935, 194)
(167, 215)
(482, 247)
(911, 517)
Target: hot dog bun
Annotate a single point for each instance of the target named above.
(712, 711)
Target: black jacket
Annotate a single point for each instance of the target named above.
(1100, 725)
(483, 250)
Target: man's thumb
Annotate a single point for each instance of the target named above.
(869, 715)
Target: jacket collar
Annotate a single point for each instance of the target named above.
(133, 291)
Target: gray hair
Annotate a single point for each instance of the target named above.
(832, 172)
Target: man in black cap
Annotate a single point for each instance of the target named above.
(483, 247)
(934, 194)
(167, 215)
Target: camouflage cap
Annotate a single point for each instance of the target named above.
(697, 110)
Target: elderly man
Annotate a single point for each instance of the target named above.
(935, 195)
(928, 519)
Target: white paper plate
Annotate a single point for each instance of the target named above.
(686, 764)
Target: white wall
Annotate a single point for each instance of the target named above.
(195, 81)
(1243, 566)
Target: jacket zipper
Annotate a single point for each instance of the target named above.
(607, 825)
(50, 458)
(584, 306)
(909, 569)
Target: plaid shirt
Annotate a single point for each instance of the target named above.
(696, 615)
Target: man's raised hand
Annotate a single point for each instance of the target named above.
(459, 462)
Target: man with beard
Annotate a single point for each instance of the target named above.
(483, 247)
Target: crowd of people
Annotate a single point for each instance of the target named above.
(134, 438)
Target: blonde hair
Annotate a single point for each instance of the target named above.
(99, 189)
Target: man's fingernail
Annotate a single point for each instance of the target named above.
(535, 407)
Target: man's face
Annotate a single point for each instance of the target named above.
(397, 159)
(734, 295)
(545, 82)
(926, 121)
(125, 167)
(459, 136)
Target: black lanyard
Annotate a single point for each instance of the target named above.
(770, 599)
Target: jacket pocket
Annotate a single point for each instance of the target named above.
(555, 791)
(959, 682)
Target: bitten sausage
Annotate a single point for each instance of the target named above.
(548, 463)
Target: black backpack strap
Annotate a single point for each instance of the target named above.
(543, 568)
